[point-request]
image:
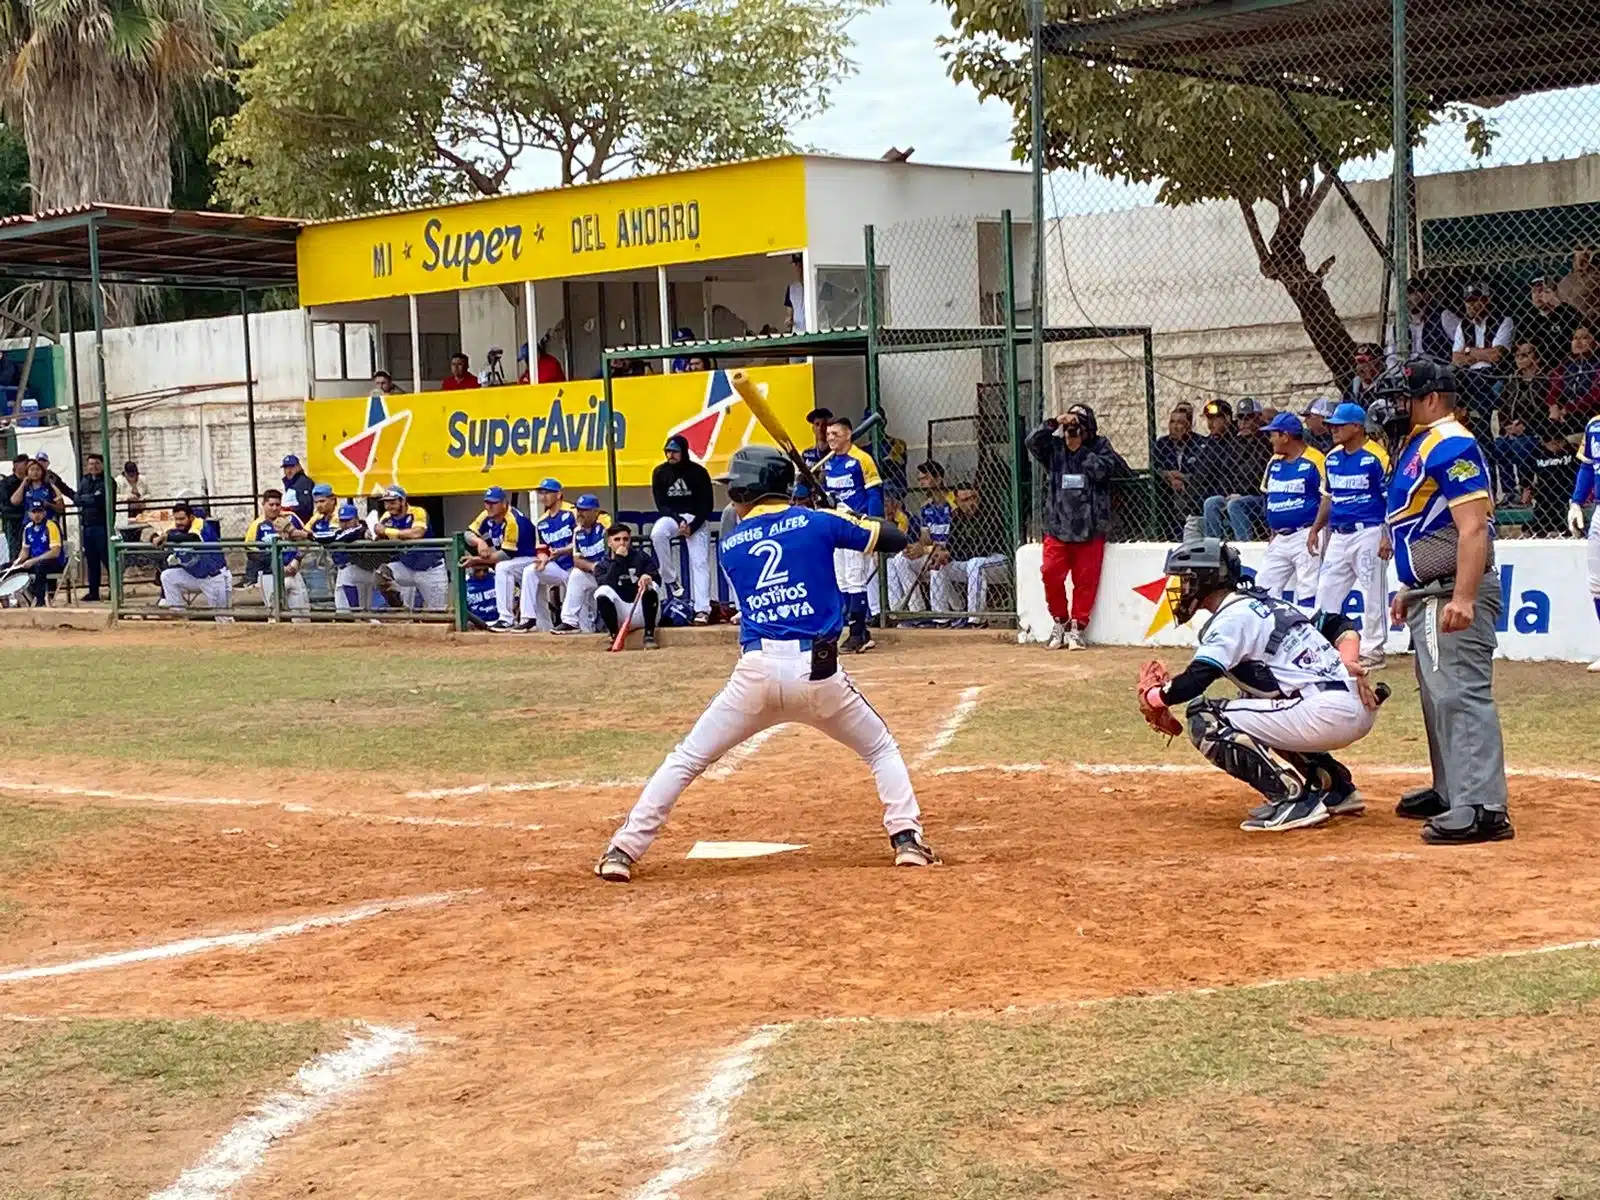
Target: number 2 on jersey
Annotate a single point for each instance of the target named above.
(772, 553)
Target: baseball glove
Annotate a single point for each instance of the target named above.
(1153, 674)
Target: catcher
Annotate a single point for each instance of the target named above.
(1302, 690)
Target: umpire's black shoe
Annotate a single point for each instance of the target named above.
(1457, 829)
(1421, 803)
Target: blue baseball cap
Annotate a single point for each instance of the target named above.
(1348, 414)
(1286, 422)
(549, 484)
(587, 501)
(290, 460)
(394, 492)
(494, 495)
(322, 489)
(349, 512)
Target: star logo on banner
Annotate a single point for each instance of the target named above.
(376, 449)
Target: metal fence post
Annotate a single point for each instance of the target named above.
(98, 308)
(275, 548)
(1008, 364)
(1152, 521)
(458, 551)
(609, 412)
(869, 249)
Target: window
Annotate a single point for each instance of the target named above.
(344, 349)
(842, 299)
(436, 351)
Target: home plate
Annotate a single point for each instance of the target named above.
(739, 849)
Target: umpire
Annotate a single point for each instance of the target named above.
(1442, 523)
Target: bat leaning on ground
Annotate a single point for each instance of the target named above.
(627, 624)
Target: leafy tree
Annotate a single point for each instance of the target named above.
(1196, 139)
(360, 104)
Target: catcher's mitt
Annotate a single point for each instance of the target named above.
(1162, 720)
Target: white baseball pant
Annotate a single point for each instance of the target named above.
(177, 586)
(431, 583)
(1351, 561)
(1308, 723)
(295, 595)
(1288, 563)
(623, 607)
(1594, 552)
(535, 580)
(850, 570)
(352, 589)
(973, 574)
(507, 573)
(905, 584)
(769, 687)
(577, 608)
(699, 542)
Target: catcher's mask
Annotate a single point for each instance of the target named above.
(1396, 388)
(1195, 570)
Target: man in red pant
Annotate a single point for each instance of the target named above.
(1079, 465)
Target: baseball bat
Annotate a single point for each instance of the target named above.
(627, 624)
(751, 394)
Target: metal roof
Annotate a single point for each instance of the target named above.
(150, 246)
(1474, 51)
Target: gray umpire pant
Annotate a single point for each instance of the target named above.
(1456, 675)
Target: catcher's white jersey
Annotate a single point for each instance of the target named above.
(1268, 647)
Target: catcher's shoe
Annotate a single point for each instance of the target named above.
(1058, 636)
(1348, 803)
(1303, 813)
(1421, 803)
(911, 851)
(614, 866)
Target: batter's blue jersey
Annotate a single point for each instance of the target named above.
(780, 561)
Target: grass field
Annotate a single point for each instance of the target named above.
(411, 821)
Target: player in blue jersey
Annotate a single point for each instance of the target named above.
(552, 557)
(193, 572)
(851, 477)
(501, 539)
(1441, 518)
(275, 524)
(780, 559)
(1292, 486)
(43, 552)
(1355, 475)
(1586, 490)
(416, 572)
(578, 613)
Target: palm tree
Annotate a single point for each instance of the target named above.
(96, 87)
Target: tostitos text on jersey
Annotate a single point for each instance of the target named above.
(779, 559)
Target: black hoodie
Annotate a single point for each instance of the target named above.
(1079, 499)
(682, 487)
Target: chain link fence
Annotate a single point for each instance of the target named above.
(1222, 175)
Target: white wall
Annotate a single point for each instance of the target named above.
(1548, 612)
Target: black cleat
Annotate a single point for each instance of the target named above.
(1485, 825)
(614, 866)
(911, 851)
(650, 642)
(1421, 803)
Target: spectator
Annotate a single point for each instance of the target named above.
(588, 551)
(1574, 392)
(552, 556)
(1549, 323)
(483, 609)
(1255, 452)
(12, 510)
(1080, 465)
(1318, 436)
(56, 482)
(1433, 327)
(131, 488)
(1551, 482)
(794, 297)
(1231, 469)
(193, 572)
(461, 377)
(1522, 408)
(35, 488)
(1482, 346)
(383, 385)
(627, 574)
(42, 553)
(548, 366)
(1173, 459)
(970, 559)
(680, 336)
(92, 522)
(299, 489)
(681, 489)
(501, 539)
(820, 419)
(1368, 366)
(417, 572)
(274, 523)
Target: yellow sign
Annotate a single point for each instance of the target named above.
(446, 443)
(563, 233)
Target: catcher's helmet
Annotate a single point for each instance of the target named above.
(757, 471)
(1196, 569)
(1396, 388)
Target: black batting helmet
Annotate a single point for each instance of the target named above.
(757, 471)
(1198, 568)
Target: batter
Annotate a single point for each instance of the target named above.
(779, 558)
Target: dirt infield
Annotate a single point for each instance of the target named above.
(567, 1021)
